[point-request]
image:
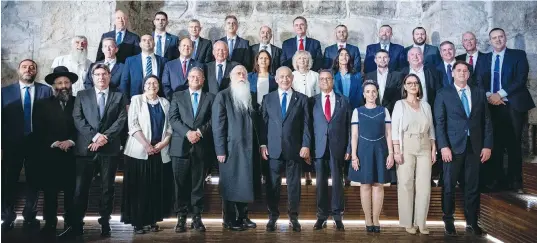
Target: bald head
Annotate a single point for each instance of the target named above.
(415, 57)
(121, 20)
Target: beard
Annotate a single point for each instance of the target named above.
(79, 56)
(384, 42)
(240, 94)
(64, 94)
(419, 43)
(27, 77)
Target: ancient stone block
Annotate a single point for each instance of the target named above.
(377, 9)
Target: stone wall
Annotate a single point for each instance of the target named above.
(42, 30)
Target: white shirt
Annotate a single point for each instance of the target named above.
(81, 69)
(501, 91)
(446, 67)
(332, 98)
(421, 75)
(216, 69)
(262, 89)
(97, 95)
(289, 93)
(387, 46)
(468, 94)
(182, 59)
(474, 59)
(307, 83)
(154, 68)
(192, 95)
(269, 49)
(32, 97)
(298, 42)
(111, 63)
(344, 44)
(381, 80)
(122, 36)
(229, 39)
(162, 41)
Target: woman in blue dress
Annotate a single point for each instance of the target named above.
(372, 154)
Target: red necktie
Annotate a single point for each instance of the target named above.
(301, 45)
(340, 46)
(471, 61)
(327, 113)
(184, 69)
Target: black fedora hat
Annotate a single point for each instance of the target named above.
(61, 71)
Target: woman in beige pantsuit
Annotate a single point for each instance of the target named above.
(414, 146)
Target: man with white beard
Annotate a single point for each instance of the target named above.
(77, 61)
(235, 132)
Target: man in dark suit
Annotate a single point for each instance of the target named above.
(139, 66)
(99, 115)
(395, 51)
(175, 73)
(127, 41)
(389, 81)
(331, 126)
(217, 71)
(431, 54)
(469, 42)
(285, 142)
(56, 133)
(239, 48)
(447, 51)
(109, 48)
(18, 101)
(331, 52)
(464, 136)
(265, 34)
(166, 44)
(300, 42)
(191, 147)
(504, 78)
(203, 48)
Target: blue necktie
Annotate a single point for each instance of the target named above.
(231, 48)
(101, 104)
(27, 111)
(449, 76)
(118, 38)
(195, 104)
(496, 78)
(148, 66)
(159, 45)
(195, 49)
(284, 104)
(465, 104)
(220, 74)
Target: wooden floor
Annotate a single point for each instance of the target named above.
(215, 233)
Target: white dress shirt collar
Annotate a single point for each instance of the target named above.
(105, 91)
(23, 85)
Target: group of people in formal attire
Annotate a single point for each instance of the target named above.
(177, 107)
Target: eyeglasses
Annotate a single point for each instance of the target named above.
(412, 84)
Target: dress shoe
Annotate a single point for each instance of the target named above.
(234, 226)
(197, 224)
(8, 225)
(370, 229)
(411, 230)
(181, 224)
(376, 229)
(339, 225)
(271, 225)
(48, 229)
(147, 227)
(347, 182)
(71, 231)
(106, 230)
(139, 230)
(247, 223)
(424, 231)
(320, 224)
(30, 223)
(450, 229)
(474, 230)
(295, 225)
(154, 228)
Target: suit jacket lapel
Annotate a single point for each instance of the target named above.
(198, 50)
(319, 104)
(188, 101)
(95, 108)
(293, 99)
(200, 103)
(272, 52)
(505, 64)
(236, 44)
(167, 43)
(455, 94)
(474, 99)
(308, 44)
(336, 107)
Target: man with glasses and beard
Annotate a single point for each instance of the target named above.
(17, 142)
(77, 61)
(55, 132)
(235, 133)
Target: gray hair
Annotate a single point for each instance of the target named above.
(280, 69)
(197, 69)
(219, 41)
(302, 53)
(110, 39)
(100, 66)
(78, 37)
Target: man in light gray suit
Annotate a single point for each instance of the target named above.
(191, 147)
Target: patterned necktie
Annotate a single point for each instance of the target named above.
(496, 78)
(385, 47)
(471, 61)
(184, 69)
(449, 75)
(301, 45)
(284, 104)
(220, 74)
(264, 47)
(327, 106)
(101, 104)
(118, 38)
(231, 45)
(27, 111)
(194, 103)
(159, 46)
(148, 66)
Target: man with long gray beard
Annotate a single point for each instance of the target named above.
(235, 132)
(77, 61)
(55, 129)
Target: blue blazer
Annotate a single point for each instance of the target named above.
(355, 94)
(452, 124)
(13, 113)
(330, 53)
(514, 73)
(285, 136)
(115, 79)
(313, 46)
(241, 52)
(445, 80)
(396, 53)
(336, 132)
(172, 76)
(431, 56)
(132, 77)
(479, 66)
(171, 47)
(129, 46)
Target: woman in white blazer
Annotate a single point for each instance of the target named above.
(146, 150)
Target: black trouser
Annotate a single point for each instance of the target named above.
(507, 125)
(323, 167)
(12, 162)
(233, 211)
(85, 167)
(469, 163)
(60, 176)
(50, 207)
(293, 170)
(189, 175)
